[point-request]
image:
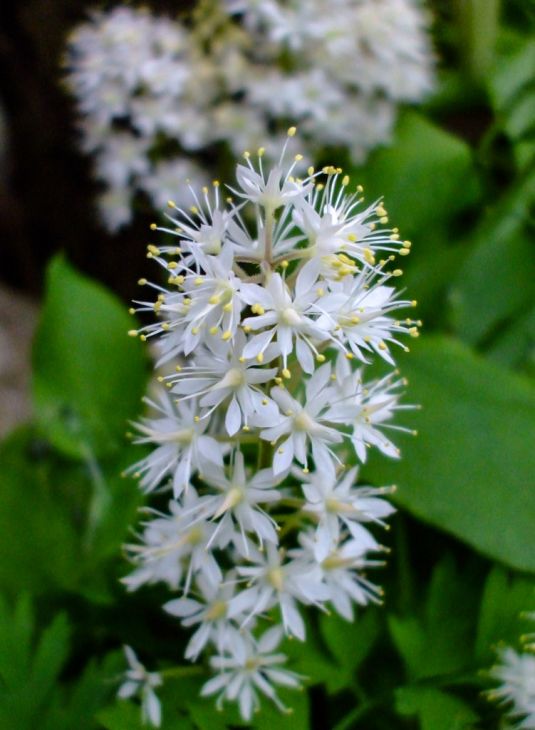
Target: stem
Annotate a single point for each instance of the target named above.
(179, 672)
(478, 27)
(100, 497)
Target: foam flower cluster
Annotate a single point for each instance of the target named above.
(270, 304)
(155, 94)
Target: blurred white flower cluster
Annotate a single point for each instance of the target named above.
(515, 671)
(272, 302)
(154, 94)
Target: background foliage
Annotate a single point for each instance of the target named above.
(459, 181)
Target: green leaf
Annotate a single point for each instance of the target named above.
(122, 715)
(470, 469)
(435, 709)
(46, 511)
(441, 625)
(426, 177)
(495, 281)
(28, 673)
(39, 545)
(504, 600)
(350, 644)
(88, 375)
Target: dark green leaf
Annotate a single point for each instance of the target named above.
(435, 709)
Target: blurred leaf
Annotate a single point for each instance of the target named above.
(350, 644)
(39, 546)
(516, 343)
(496, 279)
(470, 469)
(504, 599)
(46, 541)
(426, 177)
(435, 709)
(122, 715)
(88, 375)
(442, 626)
(28, 673)
(512, 92)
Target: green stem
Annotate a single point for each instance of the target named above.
(100, 498)
(180, 672)
(478, 22)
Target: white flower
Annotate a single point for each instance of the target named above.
(338, 504)
(356, 312)
(279, 188)
(171, 179)
(286, 317)
(248, 667)
(282, 584)
(220, 374)
(339, 573)
(140, 682)
(175, 548)
(366, 408)
(303, 424)
(210, 613)
(239, 501)
(182, 444)
(516, 674)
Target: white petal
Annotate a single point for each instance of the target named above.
(233, 417)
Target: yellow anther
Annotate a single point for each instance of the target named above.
(292, 131)
(310, 170)
(246, 428)
(257, 309)
(194, 209)
(178, 368)
(351, 237)
(246, 154)
(372, 226)
(345, 180)
(355, 319)
(286, 374)
(153, 226)
(306, 470)
(141, 282)
(260, 357)
(227, 307)
(265, 401)
(216, 183)
(226, 335)
(285, 264)
(196, 419)
(414, 303)
(404, 251)
(368, 256)
(280, 451)
(413, 332)
(320, 358)
(171, 204)
(320, 291)
(349, 355)
(241, 359)
(133, 333)
(394, 237)
(247, 328)
(397, 272)
(198, 281)
(214, 299)
(298, 158)
(278, 380)
(160, 378)
(382, 346)
(381, 210)
(360, 189)
(205, 190)
(261, 151)
(131, 310)
(166, 326)
(407, 244)
(213, 330)
(143, 338)
(172, 265)
(153, 249)
(194, 330)
(383, 220)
